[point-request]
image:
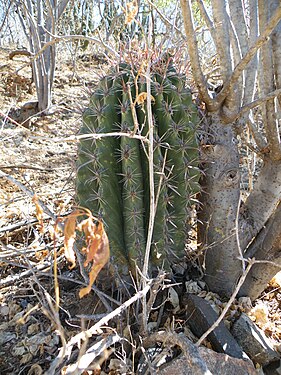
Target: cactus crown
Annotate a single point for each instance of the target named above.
(113, 180)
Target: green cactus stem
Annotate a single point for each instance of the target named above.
(112, 172)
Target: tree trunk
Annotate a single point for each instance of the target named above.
(231, 229)
(220, 200)
(39, 23)
(266, 246)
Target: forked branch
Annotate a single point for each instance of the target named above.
(263, 38)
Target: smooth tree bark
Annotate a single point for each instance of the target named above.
(39, 20)
(247, 39)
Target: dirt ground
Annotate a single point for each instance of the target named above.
(34, 158)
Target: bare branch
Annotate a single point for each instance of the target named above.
(266, 249)
(28, 192)
(251, 70)
(222, 38)
(267, 85)
(263, 38)
(91, 354)
(151, 178)
(207, 19)
(260, 141)
(194, 53)
(258, 102)
(151, 164)
(76, 138)
(57, 39)
(19, 52)
(239, 23)
(165, 19)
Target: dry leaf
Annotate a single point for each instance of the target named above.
(26, 358)
(275, 282)
(97, 250)
(131, 12)
(39, 213)
(97, 245)
(260, 314)
(69, 238)
(142, 97)
(35, 370)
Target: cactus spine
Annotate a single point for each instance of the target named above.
(113, 171)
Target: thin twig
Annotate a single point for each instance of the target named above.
(261, 261)
(133, 110)
(25, 166)
(153, 294)
(76, 138)
(11, 279)
(165, 19)
(258, 102)
(150, 162)
(6, 117)
(151, 178)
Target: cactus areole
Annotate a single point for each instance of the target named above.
(112, 171)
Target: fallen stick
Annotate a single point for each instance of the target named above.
(77, 339)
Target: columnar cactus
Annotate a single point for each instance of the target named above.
(113, 180)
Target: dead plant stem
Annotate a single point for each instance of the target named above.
(151, 178)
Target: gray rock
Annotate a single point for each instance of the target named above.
(201, 317)
(274, 368)
(192, 358)
(253, 341)
(217, 363)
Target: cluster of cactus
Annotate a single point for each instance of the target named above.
(113, 171)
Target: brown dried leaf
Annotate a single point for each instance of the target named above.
(39, 213)
(142, 97)
(97, 250)
(69, 238)
(259, 314)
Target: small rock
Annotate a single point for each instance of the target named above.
(191, 355)
(201, 317)
(274, 368)
(192, 287)
(253, 341)
(4, 310)
(217, 363)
